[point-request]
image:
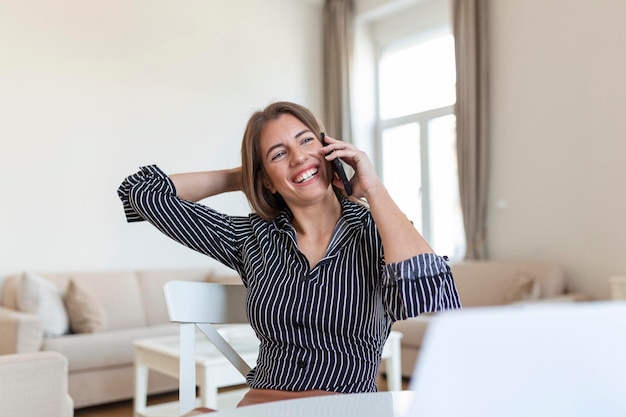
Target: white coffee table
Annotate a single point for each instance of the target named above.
(213, 371)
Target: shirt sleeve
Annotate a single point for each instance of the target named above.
(151, 195)
(421, 284)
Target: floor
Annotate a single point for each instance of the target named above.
(125, 408)
(122, 408)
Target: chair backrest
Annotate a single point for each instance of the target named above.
(205, 302)
(200, 304)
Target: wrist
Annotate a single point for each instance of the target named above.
(234, 179)
(376, 191)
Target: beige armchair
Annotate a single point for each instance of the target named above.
(34, 385)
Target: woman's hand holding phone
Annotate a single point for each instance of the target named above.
(365, 180)
(339, 170)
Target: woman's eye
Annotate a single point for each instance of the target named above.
(278, 155)
(307, 140)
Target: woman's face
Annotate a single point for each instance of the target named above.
(293, 163)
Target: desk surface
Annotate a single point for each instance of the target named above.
(378, 404)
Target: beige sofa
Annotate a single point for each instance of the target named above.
(108, 310)
(92, 319)
(34, 385)
(491, 283)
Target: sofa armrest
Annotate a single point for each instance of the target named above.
(19, 332)
(34, 384)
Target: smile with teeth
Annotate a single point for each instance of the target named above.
(305, 176)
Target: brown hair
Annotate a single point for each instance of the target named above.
(265, 203)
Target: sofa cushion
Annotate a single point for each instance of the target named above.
(524, 288)
(84, 309)
(486, 283)
(118, 292)
(41, 297)
(551, 277)
(105, 349)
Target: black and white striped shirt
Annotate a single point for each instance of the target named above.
(322, 327)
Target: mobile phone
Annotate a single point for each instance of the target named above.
(340, 171)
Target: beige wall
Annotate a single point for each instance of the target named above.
(90, 90)
(558, 173)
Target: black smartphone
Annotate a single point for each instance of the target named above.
(340, 171)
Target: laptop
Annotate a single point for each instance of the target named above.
(562, 359)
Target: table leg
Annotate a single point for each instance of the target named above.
(141, 388)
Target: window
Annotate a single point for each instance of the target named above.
(415, 140)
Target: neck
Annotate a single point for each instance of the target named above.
(318, 218)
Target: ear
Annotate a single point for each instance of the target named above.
(268, 184)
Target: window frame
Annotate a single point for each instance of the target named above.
(397, 25)
(422, 119)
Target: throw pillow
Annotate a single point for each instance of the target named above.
(39, 296)
(525, 288)
(85, 311)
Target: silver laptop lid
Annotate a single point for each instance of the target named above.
(537, 360)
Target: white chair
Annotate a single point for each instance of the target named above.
(201, 304)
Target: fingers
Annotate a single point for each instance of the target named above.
(338, 149)
(332, 142)
(365, 177)
(349, 153)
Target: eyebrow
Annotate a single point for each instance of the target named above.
(278, 145)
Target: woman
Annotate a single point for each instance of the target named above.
(326, 275)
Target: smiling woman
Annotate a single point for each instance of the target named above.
(265, 129)
(293, 160)
(326, 275)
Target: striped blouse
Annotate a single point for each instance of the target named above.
(319, 328)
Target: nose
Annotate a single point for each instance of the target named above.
(299, 157)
